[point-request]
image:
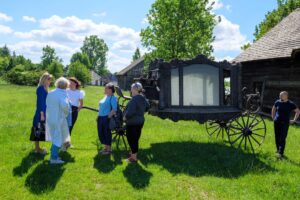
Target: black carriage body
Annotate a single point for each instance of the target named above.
(193, 89)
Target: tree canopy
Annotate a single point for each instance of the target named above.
(49, 56)
(136, 55)
(285, 7)
(179, 29)
(96, 49)
(79, 70)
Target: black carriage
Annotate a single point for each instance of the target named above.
(208, 92)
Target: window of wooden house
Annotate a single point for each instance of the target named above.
(175, 87)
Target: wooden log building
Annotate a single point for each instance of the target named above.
(126, 76)
(272, 63)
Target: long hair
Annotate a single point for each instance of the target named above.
(43, 79)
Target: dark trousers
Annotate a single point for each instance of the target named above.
(133, 134)
(74, 117)
(104, 132)
(281, 131)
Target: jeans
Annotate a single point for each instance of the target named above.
(54, 152)
(104, 132)
(133, 134)
(281, 131)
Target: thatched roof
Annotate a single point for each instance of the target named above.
(279, 42)
(131, 66)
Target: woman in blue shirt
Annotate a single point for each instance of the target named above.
(107, 108)
(40, 112)
(281, 112)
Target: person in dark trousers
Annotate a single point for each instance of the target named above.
(281, 112)
(107, 109)
(75, 96)
(134, 118)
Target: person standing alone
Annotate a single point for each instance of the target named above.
(281, 112)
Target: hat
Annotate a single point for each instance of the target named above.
(77, 82)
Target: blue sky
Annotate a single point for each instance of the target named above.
(28, 25)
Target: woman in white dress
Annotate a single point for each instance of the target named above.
(57, 130)
(75, 96)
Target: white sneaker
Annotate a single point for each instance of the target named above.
(57, 161)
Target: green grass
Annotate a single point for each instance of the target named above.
(177, 161)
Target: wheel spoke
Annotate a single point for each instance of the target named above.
(245, 143)
(251, 144)
(235, 133)
(214, 131)
(258, 135)
(241, 142)
(236, 128)
(255, 140)
(218, 133)
(253, 125)
(252, 120)
(236, 139)
(243, 121)
(257, 129)
(238, 123)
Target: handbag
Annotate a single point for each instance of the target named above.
(38, 132)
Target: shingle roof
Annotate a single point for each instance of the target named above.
(132, 65)
(279, 42)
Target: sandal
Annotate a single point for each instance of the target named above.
(131, 160)
(41, 151)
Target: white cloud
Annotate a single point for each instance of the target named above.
(28, 19)
(228, 58)
(217, 4)
(5, 17)
(102, 14)
(67, 34)
(228, 36)
(5, 29)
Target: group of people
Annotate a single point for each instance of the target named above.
(57, 111)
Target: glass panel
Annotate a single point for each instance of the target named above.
(175, 87)
(200, 85)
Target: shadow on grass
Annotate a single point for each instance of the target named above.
(45, 176)
(107, 163)
(201, 159)
(27, 162)
(138, 177)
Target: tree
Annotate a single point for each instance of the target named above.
(83, 58)
(56, 69)
(49, 56)
(179, 29)
(80, 71)
(96, 49)
(4, 51)
(136, 55)
(285, 7)
(245, 46)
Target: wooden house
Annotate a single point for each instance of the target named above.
(127, 75)
(272, 63)
(96, 79)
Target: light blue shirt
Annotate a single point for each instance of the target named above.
(107, 104)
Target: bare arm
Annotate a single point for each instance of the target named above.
(297, 113)
(80, 104)
(273, 112)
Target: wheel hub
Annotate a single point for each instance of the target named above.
(247, 131)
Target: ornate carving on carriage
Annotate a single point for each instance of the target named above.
(209, 92)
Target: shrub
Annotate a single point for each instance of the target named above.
(80, 71)
(19, 77)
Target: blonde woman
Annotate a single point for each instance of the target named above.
(38, 123)
(57, 129)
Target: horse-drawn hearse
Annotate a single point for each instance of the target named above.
(208, 92)
(205, 91)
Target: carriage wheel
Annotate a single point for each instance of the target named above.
(248, 131)
(119, 136)
(217, 128)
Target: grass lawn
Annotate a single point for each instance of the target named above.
(177, 161)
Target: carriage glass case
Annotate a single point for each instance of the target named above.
(198, 89)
